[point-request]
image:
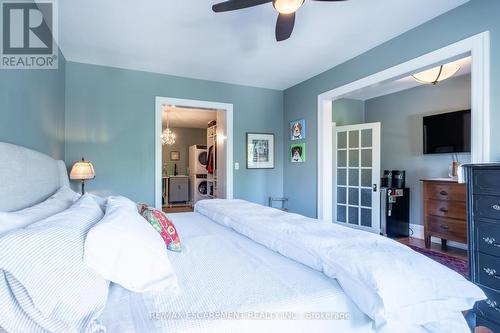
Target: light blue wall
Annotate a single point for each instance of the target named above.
(32, 109)
(301, 100)
(184, 137)
(110, 121)
(347, 111)
(401, 136)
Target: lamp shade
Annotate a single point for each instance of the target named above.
(436, 74)
(82, 170)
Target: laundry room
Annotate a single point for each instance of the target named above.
(193, 165)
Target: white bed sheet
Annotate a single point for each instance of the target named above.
(220, 270)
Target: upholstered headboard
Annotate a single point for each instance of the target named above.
(27, 177)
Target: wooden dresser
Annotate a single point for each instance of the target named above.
(445, 213)
(483, 202)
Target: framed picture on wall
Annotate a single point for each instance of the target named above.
(298, 152)
(298, 129)
(260, 151)
(175, 155)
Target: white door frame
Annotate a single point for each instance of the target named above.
(228, 110)
(479, 48)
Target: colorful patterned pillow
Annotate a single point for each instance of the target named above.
(163, 225)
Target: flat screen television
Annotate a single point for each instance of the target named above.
(447, 133)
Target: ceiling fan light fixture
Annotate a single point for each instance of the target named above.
(436, 74)
(287, 6)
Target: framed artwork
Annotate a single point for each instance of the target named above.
(175, 155)
(260, 151)
(298, 152)
(298, 129)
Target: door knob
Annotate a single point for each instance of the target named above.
(374, 187)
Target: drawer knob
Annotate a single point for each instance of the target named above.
(496, 207)
(491, 241)
(443, 192)
(492, 304)
(491, 272)
(444, 226)
(444, 210)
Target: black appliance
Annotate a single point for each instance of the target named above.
(447, 133)
(395, 212)
(393, 178)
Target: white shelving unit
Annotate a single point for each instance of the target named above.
(212, 141)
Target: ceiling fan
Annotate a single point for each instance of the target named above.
(286, 12)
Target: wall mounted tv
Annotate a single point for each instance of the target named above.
(447, 133)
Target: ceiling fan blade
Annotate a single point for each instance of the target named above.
(237, 4)
(284, 26)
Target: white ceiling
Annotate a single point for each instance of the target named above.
(186, 117)
(186, 38)
(393, 86)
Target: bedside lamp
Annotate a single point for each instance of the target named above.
(82, 170)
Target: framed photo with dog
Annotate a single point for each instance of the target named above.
(298, 129)
(298, 152)
(260, 151)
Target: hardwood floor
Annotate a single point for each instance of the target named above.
(177, 209)
(451, 251)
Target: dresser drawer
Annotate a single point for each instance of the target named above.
(488, 270)
(487, 206)
(486, 181)
(448, 228)
(490, 308)
(481, 321)
(451, 209)
(443, 191)
(488, 238)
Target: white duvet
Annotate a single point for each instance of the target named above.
(391, 283)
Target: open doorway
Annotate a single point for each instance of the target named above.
(193, 145)
(477, 47)
(442, 199)
(411, 134)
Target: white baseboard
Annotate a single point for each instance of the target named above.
(418, 232)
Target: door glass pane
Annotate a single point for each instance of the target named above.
(353, 157)
(366, 177)
(366, 217)
(353, 196)
(353, 139)
(341, 213)
(342, 158)
(366, 157)
(342, 140)
(341, 195)
(366, 198)
(366, 138)
(353, 215)
(342, 176)
(353, 177)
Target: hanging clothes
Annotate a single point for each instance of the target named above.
(211, 160)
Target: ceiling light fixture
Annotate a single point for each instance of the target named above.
(287, 6)
(167, 136)
(436, 74)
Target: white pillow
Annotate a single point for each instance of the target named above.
(124, 249)
(58, 202)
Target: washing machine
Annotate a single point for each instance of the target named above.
(198, 160)
(198, 188)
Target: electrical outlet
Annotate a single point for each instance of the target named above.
(236, 166)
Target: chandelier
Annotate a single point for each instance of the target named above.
(167, 136)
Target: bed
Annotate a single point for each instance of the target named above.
(229, 279)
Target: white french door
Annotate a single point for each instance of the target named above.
(356, 175)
